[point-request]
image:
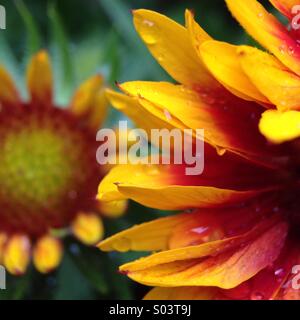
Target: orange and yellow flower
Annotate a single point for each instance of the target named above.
(48, 172)
(237, 236)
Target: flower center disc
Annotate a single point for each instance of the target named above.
(48, 170)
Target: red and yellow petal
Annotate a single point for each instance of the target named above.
(182, 293)
(8, 92)
(267, 30)
(273, 79)
(39, 79)
(225, 270)
(47, 254)
(214, 111)
(170, 44)
(17, 254)
(285, 6)
(222, 60)
(88, 228)
(167, 187)
(89, 102)
(149, 236)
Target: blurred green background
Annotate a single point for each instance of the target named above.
(85, 37)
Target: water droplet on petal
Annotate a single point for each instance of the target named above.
(260, 15)
(221, 151)
(291, 50)
(149, 32)
(282, 48)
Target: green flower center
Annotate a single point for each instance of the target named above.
(48, 170)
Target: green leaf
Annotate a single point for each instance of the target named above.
(33, 34)
(120, 14)
(63, 54)
(90, 262)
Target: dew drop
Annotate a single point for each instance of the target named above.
(149, 32)
(279, 272)
(291, 50)
(221, 151)
(260, 15)
(282, 48)
(123, 244)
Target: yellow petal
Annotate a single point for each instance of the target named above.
(89, 101)
(197, 34)
(155, 186)
(47, 254)
(181, 293)
(226, 270)
(8, 92)
(222, 60)
(17, 254)
(214, 111)
(267, 30)
(273, 79)
(39, 79)
(205, 249)
(113, 209)
(170, 44)
(149, 236)
(280, 126)
(88, 228)
(136, 112)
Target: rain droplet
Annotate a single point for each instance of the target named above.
(260, 15)
(149, 32)
(279, 272)
(291, 50)
(282, 48)
(148, 23)
(221, 151)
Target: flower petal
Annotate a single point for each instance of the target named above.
(285, 6)
(181, 293)
(226, 270)
(89, 102)
(196, 33)
(171, 188)
(17, 254)
(136, 112)
(214, 111)
(47, 254)
(170, 44)
(113, 209)
(39, 79)
(267, 30)
(222, 60)
(149, 236)
(273, 79)
(8, 92)
(88, 228)
(280, 126)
